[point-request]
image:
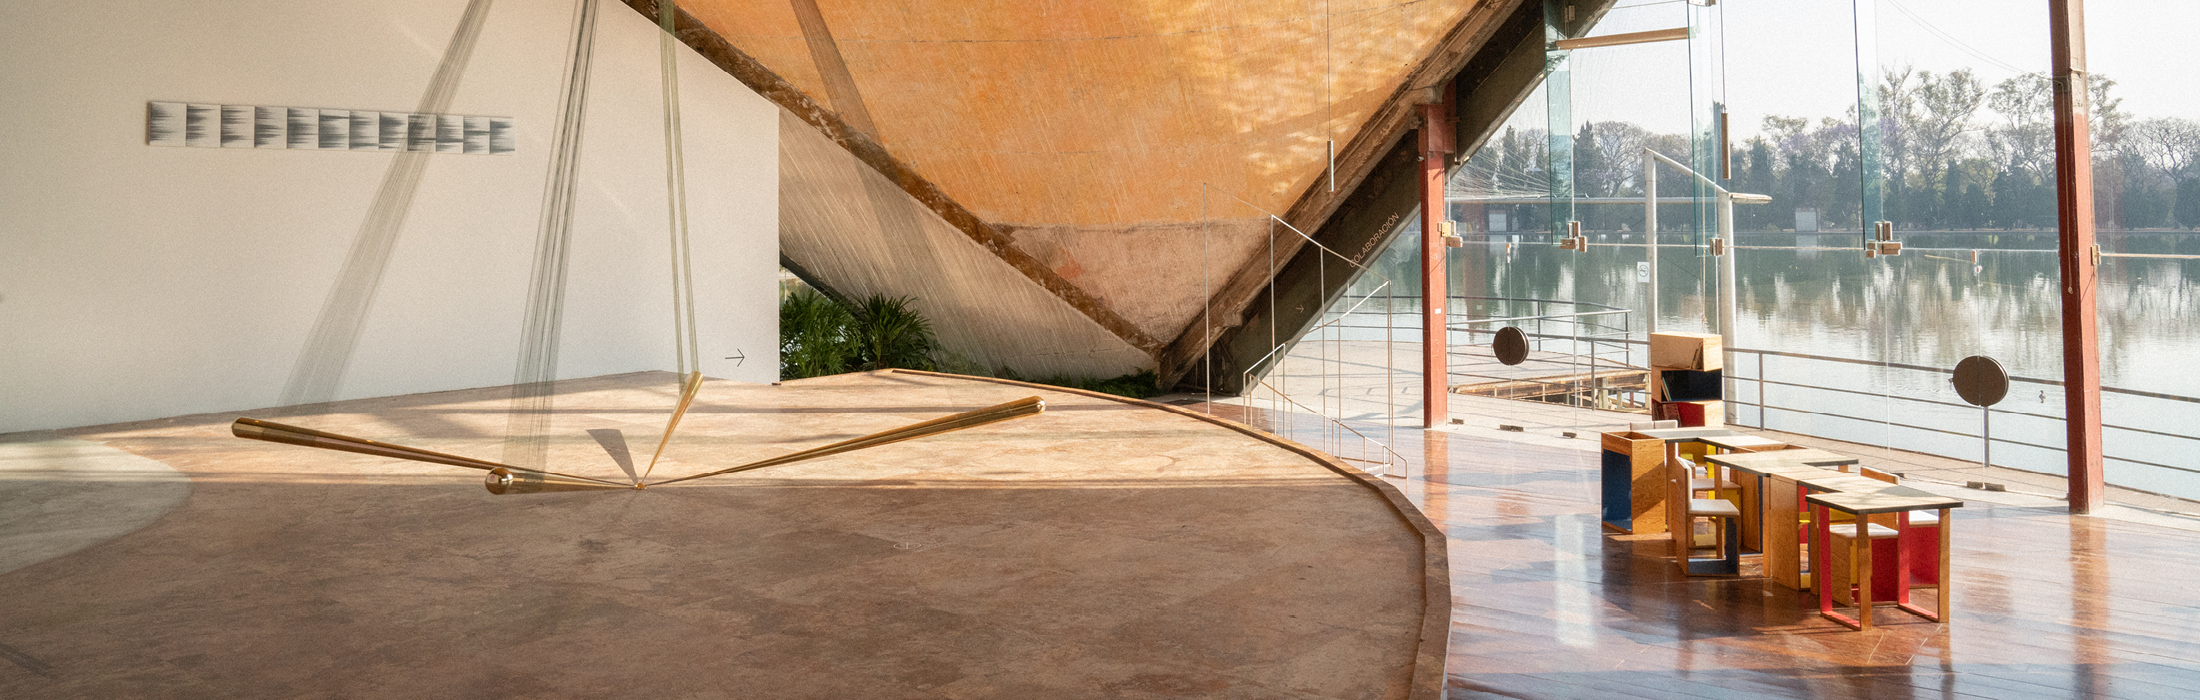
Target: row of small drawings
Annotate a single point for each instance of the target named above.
(249, 126)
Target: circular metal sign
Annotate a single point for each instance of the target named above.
(1981, 381)
(1511, 346)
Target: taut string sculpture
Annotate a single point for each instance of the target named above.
(507, 479)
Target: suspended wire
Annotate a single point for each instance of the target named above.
(319, 370)
(533, 379)
(689, 353)
(1952, 40)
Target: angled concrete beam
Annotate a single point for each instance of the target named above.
(1356, 162)
(1488, 86)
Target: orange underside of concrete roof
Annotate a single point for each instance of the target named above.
(1093, 114)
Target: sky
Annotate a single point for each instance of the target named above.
(1797, 57)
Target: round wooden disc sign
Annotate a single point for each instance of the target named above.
(1981, 381)
(1511, 346)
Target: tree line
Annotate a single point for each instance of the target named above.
(1956, 154)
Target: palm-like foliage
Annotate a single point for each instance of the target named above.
(891, 335)
(816, 336)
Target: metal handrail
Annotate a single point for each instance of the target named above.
(1910, 426)
(1763, 405)
(1922, 368)
(1338, 423)
(1417, 297)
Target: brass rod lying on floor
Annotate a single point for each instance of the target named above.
(504, 480)
(1029, 406)
(256, 429)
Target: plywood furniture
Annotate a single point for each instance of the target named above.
(1681, 520)
(1686, 380)
(1841, 575)
(1744, 443)
(1694, 351)
(1921, 546)
(1634, 500)
(1775, 514)
(1746, 493)
(1870, 498)
(1634, 479)
(1702, 413)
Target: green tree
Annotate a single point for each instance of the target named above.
(818, 336)
(1758, 178)
(2147, 205)
(2188, 203)
(1589, 178)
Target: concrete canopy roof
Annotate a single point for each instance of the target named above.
(1061, 112)
(1121, 160)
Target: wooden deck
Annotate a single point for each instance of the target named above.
(1546, 605)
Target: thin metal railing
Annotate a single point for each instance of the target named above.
(1332, 429)
(1764, 405)
(1340, 424)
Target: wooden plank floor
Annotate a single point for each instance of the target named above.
(1547, 605)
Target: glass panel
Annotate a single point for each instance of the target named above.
(1960, 285)
(2146, 175)
(1809, 321)
(1622, 100)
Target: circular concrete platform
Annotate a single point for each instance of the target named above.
(1104, 549)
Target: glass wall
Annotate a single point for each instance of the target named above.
(1961, 286)
(1903, 151)
(2146, 175)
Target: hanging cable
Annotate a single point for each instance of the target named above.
(319, 370)
(533, 379)
(687, 352)
(683, 274)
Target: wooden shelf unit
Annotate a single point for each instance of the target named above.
(1687, 379)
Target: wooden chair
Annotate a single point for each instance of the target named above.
(1920, 544)
(1725, 521)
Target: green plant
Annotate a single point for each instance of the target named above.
(816, 335)
(891, 335)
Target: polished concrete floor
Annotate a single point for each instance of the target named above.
(1103, 549)
(1546, 604)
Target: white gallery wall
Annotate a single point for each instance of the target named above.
(140, 282)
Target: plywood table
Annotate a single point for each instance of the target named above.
(1749, 491)
(1743, 443)
(1774, 516)
(1863, 498)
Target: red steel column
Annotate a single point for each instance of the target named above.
(1436, 138)
(2074, 204)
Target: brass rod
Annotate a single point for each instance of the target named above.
(256, 429)
(693, 384)
(503, 480)
(1019, 408)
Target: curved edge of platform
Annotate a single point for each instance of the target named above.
(1434, 646)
